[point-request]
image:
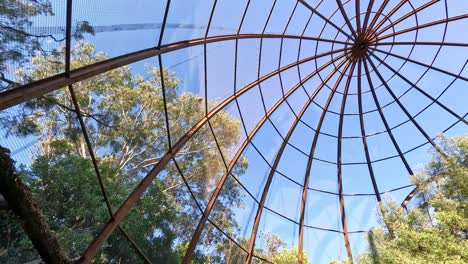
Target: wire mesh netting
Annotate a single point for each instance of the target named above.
(222, 131)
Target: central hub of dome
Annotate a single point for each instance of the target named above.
(361, 44)
(359, 49)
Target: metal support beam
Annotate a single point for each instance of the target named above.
(413, 85)
(38, 88)
(384, 120)
(396, 8)
(370, 5)
(366, 149)
(429, 43)
(402, 18)
(308, 6)
(403, 108)
(217, 191)
(258, 215)
(141, 187)
(339, 164)
(458, 76)
(345, 16)
(309, 167)
(430, 24)
(377, 15)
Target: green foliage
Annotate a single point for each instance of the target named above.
(277, 252)
(14, 245)
(436, 230)
(124, 116)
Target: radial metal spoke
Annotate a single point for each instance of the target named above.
(38, 88)
(458, 76)
(358, 16)
(430, 24)
(161, 74)
(429, 43)
(84, 131)
(377, 15)
(339, 169)
(214, 197)
(415, 189)
(345, 17)
(434, 100)
(399, 20)
(367, 16)
(421, 130)
(309, 166)
(366, 149)
(384, 120)
(260, 53)
(205, 57)
(396, 8)
(277, 159)
(138, 191)
(281, 46)
(324, 18)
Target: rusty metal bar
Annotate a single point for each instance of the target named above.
(366, 149)
(68, 35)
(281, 50)
(214, 197)
(363, 134)
(396, 8)
(339, 171)
(309, 166)
(278, 157)
(346, 18)
(413, 192)
(132, 242)
(324, 18)
(138, 191)
(384, 120)
(85, 132)
(404, 108)
(300, 45)
(261, 52)
(430, 24)
(377, 15)
(421, 90)
(408, 198)
(161, 74)
(399, 20)
(367, 16)
(38, 88)
(358, 16)
(458, 76)
(430, 43)
(205, 59)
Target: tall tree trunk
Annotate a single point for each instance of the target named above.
(20, 199)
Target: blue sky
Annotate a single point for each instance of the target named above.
(285, 195)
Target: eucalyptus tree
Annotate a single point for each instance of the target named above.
(124, 116)
(435, 230)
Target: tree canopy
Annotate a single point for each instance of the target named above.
(435, 230)
(124, 116)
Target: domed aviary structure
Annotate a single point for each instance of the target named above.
(220, 131)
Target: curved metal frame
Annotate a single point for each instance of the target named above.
(372, 27)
